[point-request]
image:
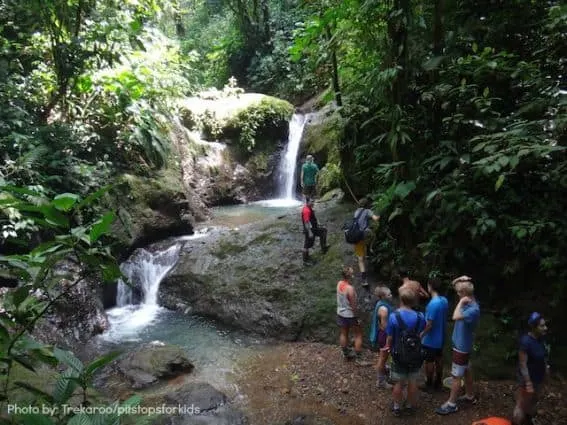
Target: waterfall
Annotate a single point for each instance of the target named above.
(288, 162)
(145, 271)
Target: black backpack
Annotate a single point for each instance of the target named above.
(353, 232)
(407, 350)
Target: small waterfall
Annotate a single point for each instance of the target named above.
(288, 162)
(145, 271)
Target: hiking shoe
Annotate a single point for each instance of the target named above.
(410, 411)
(447, 409)
(365, 284)
(466, 399)
(396, 411)
(348, 354)
(385, 385)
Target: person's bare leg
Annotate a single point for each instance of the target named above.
(358, 339)
(455, 388)
(469, 390)
(343, 338)
(412, 393)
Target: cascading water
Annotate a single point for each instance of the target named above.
(144, 270)
(288, 162)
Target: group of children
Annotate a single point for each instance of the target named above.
(415, 341)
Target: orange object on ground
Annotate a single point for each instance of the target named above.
(493, 421)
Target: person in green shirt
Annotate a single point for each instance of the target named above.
(309, 172)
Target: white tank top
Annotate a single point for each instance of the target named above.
(343, 305)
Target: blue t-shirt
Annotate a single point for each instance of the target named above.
(463, 332)
(409, 317)
(535, 349)
(436, 311)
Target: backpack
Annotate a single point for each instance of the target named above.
(353, 232)
(407, 351)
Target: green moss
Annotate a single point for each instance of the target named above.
(254, 126)
(262, 239)
(258, 163)
(323, 138)
(226, 249)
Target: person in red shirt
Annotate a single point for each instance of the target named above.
(311, 229)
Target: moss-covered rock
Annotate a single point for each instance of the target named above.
(242, 136)
(254, 278)
(151, 209)
(323, 132)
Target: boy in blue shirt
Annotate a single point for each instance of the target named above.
(466, 317)
(404, 320)
(433, 336)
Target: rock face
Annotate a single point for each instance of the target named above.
(76, 317)
(253, 278)
(231, 145)
(151, 363)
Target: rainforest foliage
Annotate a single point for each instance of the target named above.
(453, 116)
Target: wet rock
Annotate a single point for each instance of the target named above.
(200, 395)
(150, 363)
(253, 277)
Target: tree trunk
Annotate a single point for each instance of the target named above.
(335, 69)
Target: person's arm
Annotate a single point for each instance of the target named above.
(459, 313)
(390, 333)
(383, 315)
(428, 326)
(302, 175)
(351, 296)
(524, 372)
(307, 222)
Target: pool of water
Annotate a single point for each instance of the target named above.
(238, 215)
(213, 350)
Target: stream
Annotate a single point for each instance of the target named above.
(138, 318)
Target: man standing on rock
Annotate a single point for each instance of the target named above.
(311, 229)
(309, 172)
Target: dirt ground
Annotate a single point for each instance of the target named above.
(283, 382)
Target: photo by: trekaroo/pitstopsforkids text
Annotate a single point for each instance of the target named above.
(181, 409)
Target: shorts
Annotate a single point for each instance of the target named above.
(431, 354)
(460, 364)
(346, 322)
(360, 248)
(382, 337)
(309, 191)
(401, 373)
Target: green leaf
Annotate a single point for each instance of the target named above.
(35, 391)
(80, 419)
(486, 92)
(94, 196)
(475, 47)
(432, 195)
(54, 217)
(23, 361)
(499, 182)
(65, 386)
(34, 419)
(69, 359)
(398, 211)
(402, 190)
(65, 201)
(101, 362)
(101, 227)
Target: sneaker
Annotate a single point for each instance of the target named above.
(447, 409)
(348, 354)
(397, 412)
(410, 411)
(466, 399)
(365, 284)
(383, 385)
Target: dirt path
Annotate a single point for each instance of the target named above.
(283, 382)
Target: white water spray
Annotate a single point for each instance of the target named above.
(288, 163)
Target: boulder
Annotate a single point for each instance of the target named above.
(231, 146)
(150, 363)
(253, 277)
(77, 316)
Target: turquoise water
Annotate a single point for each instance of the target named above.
(238, 215)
